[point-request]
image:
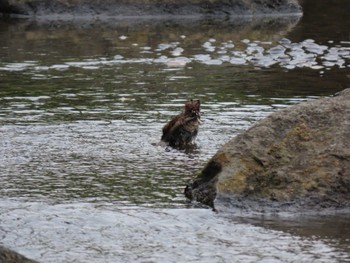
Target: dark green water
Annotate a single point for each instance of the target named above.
(82, 105)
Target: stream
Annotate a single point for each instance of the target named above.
(82, 106)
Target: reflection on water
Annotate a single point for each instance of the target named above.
(287, 55)
(179, 48)
(82, 105)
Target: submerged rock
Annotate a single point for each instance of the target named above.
(296, 158)
(147, 7)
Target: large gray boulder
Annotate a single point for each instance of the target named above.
(296, 158)
(147, 7)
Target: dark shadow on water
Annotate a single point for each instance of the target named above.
(323, 21)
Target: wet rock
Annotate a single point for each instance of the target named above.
(296, 158)
(10, 256)
(147, 7)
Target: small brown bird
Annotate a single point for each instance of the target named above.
(183, 128)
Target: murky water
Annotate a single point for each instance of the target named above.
(82, 105)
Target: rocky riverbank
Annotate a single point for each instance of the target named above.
(114, 8)
(296, 158)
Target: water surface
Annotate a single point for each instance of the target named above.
(82, 105)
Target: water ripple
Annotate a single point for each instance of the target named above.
(285, 54)
(99, 233)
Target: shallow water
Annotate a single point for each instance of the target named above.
(82, 107)
(85, 232)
